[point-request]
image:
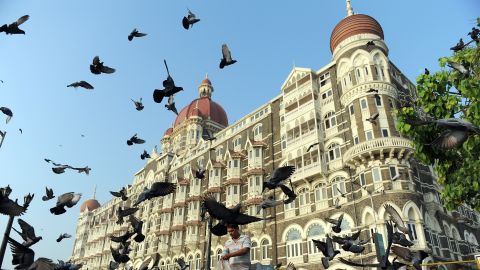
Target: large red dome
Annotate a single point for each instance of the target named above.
(205, 108)
(353, 25)
(91, 204)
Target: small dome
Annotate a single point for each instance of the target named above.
(206, 81)
(203, 107)
(354, 25)
(91, 204)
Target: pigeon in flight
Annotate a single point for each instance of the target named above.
(27, 234)
(135, 140)
(200, 174)
(61, 169)
(351, 243)
(170, 88)
(49, 194)
(97, 67)
(24, 257)
(63, 236)
(119, 257)
(415, 258)
(337, 223)
(85, 170)
(171, 105)
(137, 228)
(83, 84)
(138, 104)
(459, 46)
(113, 265)
(311, 146)
(268, 203)
(122, 238)
(21, 131)
(327, 249)
(68, 199)
(12, 208)
(13, 27)
(227, 57)
(7, 112)
(207, 135)
(218, 211)
(156, 190)
(373, 118)
(290, 193)
(182, 265)
(135, 33)
(400, 239)
(190, 19)
(145, 155)
(121, 213)
(144, 265)
(395, 216)
(279, 175)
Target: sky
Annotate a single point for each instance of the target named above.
(266, 37)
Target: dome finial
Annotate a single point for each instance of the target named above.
(94, 192)
(206, 75)
(349, 8)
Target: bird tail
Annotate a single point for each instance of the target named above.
(57, 210)
(59, 239)
(158, 95)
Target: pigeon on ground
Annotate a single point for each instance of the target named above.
(156, 190)
(27, 234)
(135, 33)
(63, 236)
(68, 199)
(135, 140)
(121, 194)
(97, 67)
(138, 104)
(8, 113)
(227, 57)
(13, 27)
(171, 105)
(337, 223)
(190, 19)
(278, 176)
(83, 84)
(169, 90)
(48, 194)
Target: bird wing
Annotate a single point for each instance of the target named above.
(144, 265)
(291, 266)
(156, 258)
(226, 53)
(282, 173)
(19, 249)
(113, 265)
(219, 229)
(26, 228)
(65, 198)
(135, 222)
(140, 34)
(96, 60)
(49, 192)
(85, 85)
(355, 235)
(322, 246)
(116, 194)
(287, 191)
(128, 211)
(108, 70)
(331, 220)
(216, 209)
(162, 188)
(11, 208)
(338, 239)
(242, 219)
(358, 264)
(403, 253)
(450, 139)
(43, 264)
(395, 216)
(374, 116)
(22, 19)
(356, 248)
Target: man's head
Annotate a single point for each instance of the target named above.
(233, 230)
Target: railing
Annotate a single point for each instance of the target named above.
(368, 146)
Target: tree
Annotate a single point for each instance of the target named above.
(448, 93)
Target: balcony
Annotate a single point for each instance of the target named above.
(391, 145)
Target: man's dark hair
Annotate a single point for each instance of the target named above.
(233, 226)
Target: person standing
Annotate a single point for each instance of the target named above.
(237, 249)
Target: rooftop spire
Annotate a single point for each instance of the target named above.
(94, 192)
(349, 8)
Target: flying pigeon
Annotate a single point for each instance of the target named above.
(135, 33)
(351, 243)
(12, 208)
(118, 257)
(13, 27)
(278, 176)
(290, 193)
(415, 258)
(27, 234)
(231, 216)
(7, 112)
(157, 189)
(226, 57)
(267, 203)
(337, 223)
(68, 199)
(137, 228)
(311, 146)
(138, 104)
(207, 135)
(135, 139)
(121, 194)
(63, 236)
(49, 194)
(24, 258)
(169, 90)
(190, 19)
(327, 249)
(85, 170)
(200, 174)
(171, 105)
(373, 118)
(97, 67)
(122, 238)
(395, 216)
(83, 84)
(121, 213)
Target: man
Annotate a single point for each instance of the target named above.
(237, 249)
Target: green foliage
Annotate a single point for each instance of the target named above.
(448, 94)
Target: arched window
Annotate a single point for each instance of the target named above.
(265, 246)
(320, 192)
(197, 262)
(294, 244)
(190, 261)
(333, 152)
(167, 264)
(338, 186)
(219, 254)
(253, 251)
(411, 224)
(303, 197)
(315, 231)
(330, 120)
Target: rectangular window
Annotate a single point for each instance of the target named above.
(384, 132)
(366, 70)
(235, 190)
(363, 181)
(352, 110)
(235, 163)
(356, 140)
(376, 174)
(257, 152)
(257, 181)
(412, 228)
(393, 171)
(378, 101)
(369, 135)
(363, 104)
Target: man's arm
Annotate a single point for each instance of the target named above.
(239, 252)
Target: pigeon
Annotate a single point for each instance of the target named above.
(227, 57)
(135, 139)
(268, 203)
(97, 67)
(85, 170)
(290, 266)
(337, 223)
(279, 175)
(171, 105)
(144, 265)
(121, 194)
(122, 238)
(459, 67)
(327, 249)
(61, 169)
(311, 146)
(68, 199)
(23, 258)
(12, 208)
(459, 46)
(426, 72)
(27, 234)
(344, 195)
(83, 84)
(170, 88)
(157, 189)
(336, 204)
(7, 112)
(135, 33)
(220, 229)
(395, 216)
(374, 91)
(456, 133)
(121, 213)
(137, 228)
(49, 194)
(200, 174)
(2, 135)
(370, 43)
(207, 135)
(118, 257)
(113, 265)
(290, 194)
(21, 131)
(13, 27)
(62, 236)
(138, 104)
(190, 19)
(400, 239)
(351, 243)
(181, 264)
(373, 118)
(474, 34)
(231, 216)
(415, 258)
(67, 266)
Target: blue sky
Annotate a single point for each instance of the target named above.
(266, 37)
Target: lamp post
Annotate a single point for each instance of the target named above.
(209, 243)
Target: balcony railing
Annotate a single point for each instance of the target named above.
(376, 145)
